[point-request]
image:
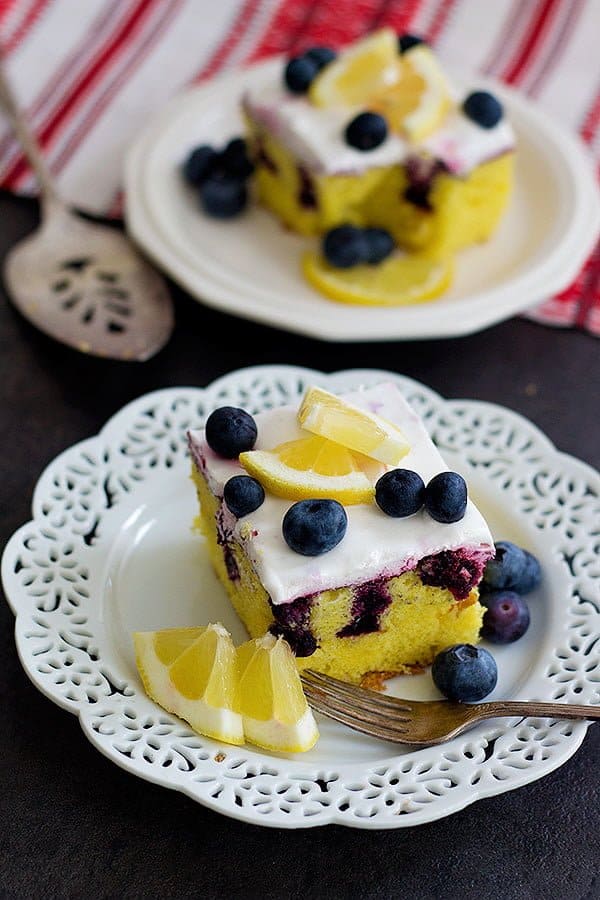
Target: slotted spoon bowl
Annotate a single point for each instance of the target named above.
(82, 283)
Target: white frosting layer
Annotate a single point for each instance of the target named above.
(375, 545)
(315, 136)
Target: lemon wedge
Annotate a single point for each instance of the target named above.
(192, 672)
(398, 281)
(312, 468)
(275, 713)
(368, 67)
(418, 101)
(332, 417)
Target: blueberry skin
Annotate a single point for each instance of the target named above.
(313, 527)
(465, 673)
(234, 159)
(321, 56)
(512, 569)
(243, 494)
(345, 246)
(230, 431)
(506, 616)
(366, 131)
(199, 164)
(446, 497)
(380, 244)
(407, 41)
(222, 197)
(400, 493)
(483, 108)
(299, 74)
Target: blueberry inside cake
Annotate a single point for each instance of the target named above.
(336, 523)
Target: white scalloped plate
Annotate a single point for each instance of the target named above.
(110, 550)
(251, 266)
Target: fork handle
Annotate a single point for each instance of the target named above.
(535, 708)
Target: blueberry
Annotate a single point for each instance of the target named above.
(223, 197)
(321, 56)
(512, 569)
(446, 497)
(313, 527)
(532, 574)
(465, 673)
(483, 108)
(299, 73)
(199, 164)
(506, 616)
(234, 159)
(380, 244)
(400, 493)
(366, 131)
(229, 431)
(345, 246)
(243, 495)
(406, 41)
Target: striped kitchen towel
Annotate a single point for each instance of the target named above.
(89, 73)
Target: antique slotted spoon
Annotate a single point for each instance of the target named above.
(82, 283)
(418, 722)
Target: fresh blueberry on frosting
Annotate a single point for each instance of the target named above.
(408, 41)
(313, 527)
(322, 56)
(483, 108)
(243, 495)
(345, 246)
(400, 493)
(230, 431)
(465, 673)
(299, 74)
(366, 131)
(446, 497)
(380, 244)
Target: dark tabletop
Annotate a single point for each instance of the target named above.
(75, 825)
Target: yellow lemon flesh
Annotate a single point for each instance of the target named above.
(358, 73)
(192, 672)
(332, 417)
(275, 713)
(400, 280)
(314, 467)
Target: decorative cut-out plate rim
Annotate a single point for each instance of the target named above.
(79, 504)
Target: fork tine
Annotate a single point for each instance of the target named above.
(372, 716)
(355, 694)
(378, 730)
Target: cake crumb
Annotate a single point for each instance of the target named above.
(219, 757)
(531, 389)
(375, 681)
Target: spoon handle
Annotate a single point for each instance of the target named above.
(28, 142)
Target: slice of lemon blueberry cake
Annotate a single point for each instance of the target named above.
(337, 524)
(377, 136)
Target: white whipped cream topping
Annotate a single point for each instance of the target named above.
(375, 545)
(315, 136)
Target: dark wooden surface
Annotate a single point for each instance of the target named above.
(74, 825)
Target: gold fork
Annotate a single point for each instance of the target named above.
(421, 723)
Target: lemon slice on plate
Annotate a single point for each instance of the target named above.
(332, 417)
(192, 673)
(275, 713)
(398, 281)
(417, 103)
(368, 67)
(314, 467)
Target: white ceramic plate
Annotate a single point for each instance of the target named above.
(110, 550)
(251, 266)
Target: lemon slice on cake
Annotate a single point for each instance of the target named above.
(398, 281)
(332, 417)
(417, 103)
(192, 672)
(313, 468)
(275, 713)
(370, 66)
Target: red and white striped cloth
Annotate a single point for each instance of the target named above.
(89, 73)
